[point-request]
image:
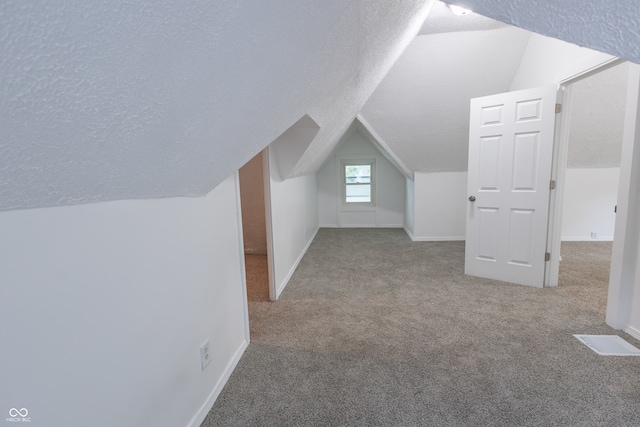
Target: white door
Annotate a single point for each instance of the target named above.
(510, 155)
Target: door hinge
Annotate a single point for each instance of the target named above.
(558, 108)
(547, 256)
(552, 184)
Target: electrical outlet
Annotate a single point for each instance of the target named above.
(205, 354)
(594, 235)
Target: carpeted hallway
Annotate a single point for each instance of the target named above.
(374, 329)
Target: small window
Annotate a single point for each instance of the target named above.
(358, 181)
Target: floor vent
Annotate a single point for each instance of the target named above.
(608, 345)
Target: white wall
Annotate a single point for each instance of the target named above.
(590, 196)
(327, 178)
(105, 306)
(549, 61)
(440, 203)
(294, 221)
(409, 207)
(254, 228)
(389, 185)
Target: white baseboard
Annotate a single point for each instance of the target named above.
(632, 331)
(439, 239)
(199, 417)
(409, 233)
(281, 286)
(362, 226)
(587, 239)
(433, 239)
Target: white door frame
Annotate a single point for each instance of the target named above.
(559, 166)
(266, 178)
(624, 276)
(266, 168)
(243, 267)
(626, 242)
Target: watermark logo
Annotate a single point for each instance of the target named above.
(18, 416)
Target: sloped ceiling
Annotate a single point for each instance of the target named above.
(421, 108)
(108, 100)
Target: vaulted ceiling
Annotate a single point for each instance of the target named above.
(109, 100)
(420, 111)
(421, 108)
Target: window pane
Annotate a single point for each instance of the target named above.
(358, 193)
(357, 174)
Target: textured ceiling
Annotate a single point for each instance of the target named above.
(107, 100)
(421, 108)
(442, 20)
(607, 26)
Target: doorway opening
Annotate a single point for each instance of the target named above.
(591, 179)
(253, 198)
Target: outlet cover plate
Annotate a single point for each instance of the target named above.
(205, 354)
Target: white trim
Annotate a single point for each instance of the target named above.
(588, 70)
(382, 146)
(558, 172)
(243, 270)
(623, 276)
(409, 233)
(588, 239)
(328, 225)
(559, 165)
(439, 239)
(268, 219)
(284, 283)
(202, 413)
(390, 226)
(358, 161)
(631, 331)
(342, 205)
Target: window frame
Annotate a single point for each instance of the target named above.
(343, 183)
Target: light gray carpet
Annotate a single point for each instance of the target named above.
(374, 329)
(584, 273)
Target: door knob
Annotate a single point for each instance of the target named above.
(472, 198)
